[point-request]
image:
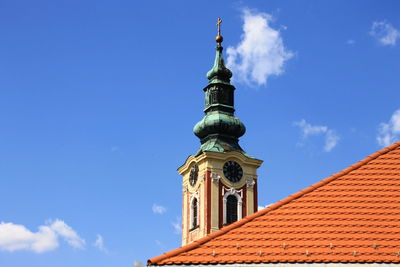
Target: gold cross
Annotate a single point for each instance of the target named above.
(219, 26)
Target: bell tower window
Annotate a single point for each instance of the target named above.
(194, 213)
(231, 209)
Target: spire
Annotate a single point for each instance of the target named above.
(219, 73)
(219, 130)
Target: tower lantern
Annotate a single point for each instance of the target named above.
(220, 180)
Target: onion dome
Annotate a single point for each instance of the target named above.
(219, 73)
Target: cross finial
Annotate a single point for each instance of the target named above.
(219, 37)
(219, 21)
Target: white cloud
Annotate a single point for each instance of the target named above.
(260, 53)
(331, 138)
(177, 225)
(17, 237)
(99, 243)
(138, 264)
(350, 42)
(389, 132)
(384, 32)
(263, 207)
(158, 209)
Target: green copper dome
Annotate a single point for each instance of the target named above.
(219, 130)
(219, 73)
(219, 123)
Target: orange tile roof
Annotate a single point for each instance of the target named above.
(351, 216)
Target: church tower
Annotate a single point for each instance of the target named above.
(220, 180)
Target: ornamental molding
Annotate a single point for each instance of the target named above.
(202, 178)
(193, 196)
(239, 195)
(185, 189)
(232, 191)
(250, 183)
(215, 177)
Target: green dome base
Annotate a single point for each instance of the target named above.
(221, 144)
(219, 123)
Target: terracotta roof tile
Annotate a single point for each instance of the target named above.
(351, 216)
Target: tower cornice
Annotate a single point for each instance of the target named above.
(208, 155)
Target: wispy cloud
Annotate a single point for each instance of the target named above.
(158, 209)
(177, 225)
(331, 140)
(307, 130)
(384, 32)
(17, 237)
(350, 42)
(260, 53)
(160, 244)
(99, 243)
(389, 132)
(69, 235)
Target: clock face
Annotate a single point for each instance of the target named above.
(194, 172)
(233, 171)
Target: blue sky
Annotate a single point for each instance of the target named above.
(98, 100)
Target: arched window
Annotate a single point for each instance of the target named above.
(232, 206)
(194, 210)
(231, 209)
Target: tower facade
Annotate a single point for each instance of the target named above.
(220, 180)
